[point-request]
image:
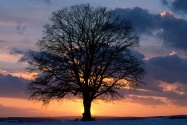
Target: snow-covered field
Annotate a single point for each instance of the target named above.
(111, 122)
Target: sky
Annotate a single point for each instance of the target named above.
(162, 27)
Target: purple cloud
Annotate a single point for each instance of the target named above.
(170, 69)
(20, 28)
(166, 78)
(12, 86)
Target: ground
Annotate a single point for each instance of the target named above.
(151, 121)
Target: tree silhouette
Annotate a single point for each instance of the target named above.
(85, 52)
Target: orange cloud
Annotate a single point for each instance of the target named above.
(166, 13)
(172, 88)
(24, 74)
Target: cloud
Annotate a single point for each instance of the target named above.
(170, 69)
(28, 55)
(4, 72)
(15, 51)
(165, 26)
(173, 31)
(176, 5)
(161, 93)
(142, 20)
(166, 80)
(137, 55)
(144, 100)
(181, 102)
(20, 28)
(12, 86)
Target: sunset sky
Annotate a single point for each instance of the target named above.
(162, 27)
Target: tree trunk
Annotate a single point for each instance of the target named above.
(87, 110)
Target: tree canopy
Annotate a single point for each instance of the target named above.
(85, 51)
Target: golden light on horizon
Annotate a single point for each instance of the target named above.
(99, 108)
(93, 111)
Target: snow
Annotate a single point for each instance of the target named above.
(111, 122)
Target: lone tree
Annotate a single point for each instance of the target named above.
(85, 52)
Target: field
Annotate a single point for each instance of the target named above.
(149, 121)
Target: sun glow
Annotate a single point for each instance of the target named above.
(172, 53)
(93, 111)
(21, 107)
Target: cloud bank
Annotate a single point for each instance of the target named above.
(12, 86)
(170, 69)
(165, 26)
(166, 78)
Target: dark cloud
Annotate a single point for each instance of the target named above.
(176, 5)
(145, 100)
(165, 82)
(28, 55)
(15, 51)
(176, 96)
(165, 26)
(168, 69)
(137, 54)
(142, 20)
(173, 31)
(166, 78)
(12, 86)
(20, 28)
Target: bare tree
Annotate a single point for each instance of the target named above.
(85, 52)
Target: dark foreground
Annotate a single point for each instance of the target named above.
(147, 121)
(75, 118)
